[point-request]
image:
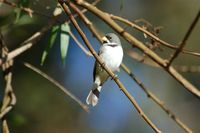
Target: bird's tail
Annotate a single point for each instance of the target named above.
(93, 96)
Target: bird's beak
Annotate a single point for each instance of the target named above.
(105, 40)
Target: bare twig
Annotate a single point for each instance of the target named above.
(84, 10)
(156, 100)
(25, 9)
(5, 128)
(88, 53)
(183, 43)
(147, 61)
(189, 69)
(87, 22)
(127, 70)
(121, 86)
(172, 46)
(9, 99)
(135, 42)
(27, 44)
(53, 81)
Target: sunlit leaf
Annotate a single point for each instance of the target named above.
(54, 33)
(64, 41)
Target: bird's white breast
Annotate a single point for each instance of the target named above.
(112, 56)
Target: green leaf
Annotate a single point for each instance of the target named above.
(64, 41)
(54, 33)
(25, 20)
(19, 13)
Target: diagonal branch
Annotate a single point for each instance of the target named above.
(157, 100)
(25, 9)
(135, 42)
(127, 70)
(88, 53)
(166, 44)
(121, 86)
(9, 98)
(183, 43)
(62, 88)
(27, 44)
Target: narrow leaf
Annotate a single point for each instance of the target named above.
(64, 41)
(121, 5)
(54, 33)
(18, 11)
(17, 14)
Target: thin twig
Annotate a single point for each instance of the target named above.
(27, 44)
(172, 46)
(9, 98)
(87, 22)
(83, 10)
(25, 9)
(156, 100)
(5, 128)
(88, 53)
(147, 61)
(121, 86)
(53, 81)
(135, 42)
(29, 11)
(183, 43)
(127, 70)
(188, 69)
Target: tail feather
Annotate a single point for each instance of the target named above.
(93, 96)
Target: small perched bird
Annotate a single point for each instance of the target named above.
(111, 53)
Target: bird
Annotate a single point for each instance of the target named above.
(111, 53)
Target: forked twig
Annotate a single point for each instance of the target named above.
(88, 53)
(9, 98)
(135, 42)
(166, 44)
(121, 86)
(89, 24)
(27, 44)
(183, 43)
(29, 11)
(156, 100)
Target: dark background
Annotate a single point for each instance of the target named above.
(43, 108)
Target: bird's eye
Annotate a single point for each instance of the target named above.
(108, 37)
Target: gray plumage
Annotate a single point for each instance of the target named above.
(111, 54)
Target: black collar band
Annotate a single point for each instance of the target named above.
(113, 45)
